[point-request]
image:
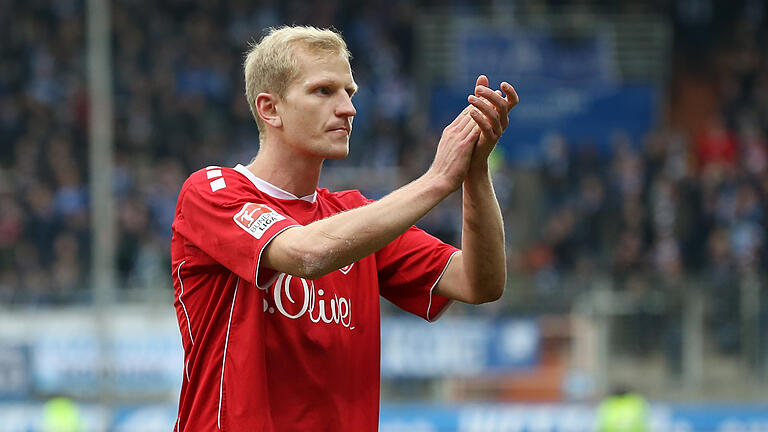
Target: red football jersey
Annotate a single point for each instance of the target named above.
(267, 351)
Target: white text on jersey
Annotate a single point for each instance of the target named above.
(335, 310)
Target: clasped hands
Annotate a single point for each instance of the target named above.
(491, 113)
(471, 137)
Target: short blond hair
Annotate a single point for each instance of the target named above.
(271, 64)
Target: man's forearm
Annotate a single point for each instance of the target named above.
(323, 246)
(482, 239)
(326, 245)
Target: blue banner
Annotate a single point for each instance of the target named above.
(411, 347)
(528, 56)
(566, 418)
(566, 87)
(133, 363)
(421, 417)
(584, 116)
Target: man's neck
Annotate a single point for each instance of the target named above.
(292, 173)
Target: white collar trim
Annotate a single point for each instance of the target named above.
(270, 189)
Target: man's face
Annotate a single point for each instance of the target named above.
(317, 109)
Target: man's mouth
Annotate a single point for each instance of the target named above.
(340, 130)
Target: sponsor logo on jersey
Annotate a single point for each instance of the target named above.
(257, 218)
(297, 298)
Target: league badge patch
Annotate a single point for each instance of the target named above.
(257, 218)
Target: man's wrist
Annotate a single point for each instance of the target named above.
(478, 169)
(436, 184)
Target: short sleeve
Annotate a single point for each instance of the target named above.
(409, 269)
(232, 230)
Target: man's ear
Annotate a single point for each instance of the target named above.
(266, 105)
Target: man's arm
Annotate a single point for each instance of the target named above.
(326, 245)
(478, 274)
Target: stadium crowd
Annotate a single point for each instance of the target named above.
(652, 215)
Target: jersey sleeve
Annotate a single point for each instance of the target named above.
(231, 230)
(410, 268)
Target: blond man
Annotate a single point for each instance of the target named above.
(278, 282)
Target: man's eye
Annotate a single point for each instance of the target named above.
(323, 90)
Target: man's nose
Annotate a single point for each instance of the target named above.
(346, 108)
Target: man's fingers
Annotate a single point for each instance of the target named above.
(472, 130)
(482, 80)
(504, 119)
(474, 134)
(497, 100)
(466, 130)
(485, 125)
(465, 118)
(492, 113)
(488, 108)
(512, 97)
(459, 118)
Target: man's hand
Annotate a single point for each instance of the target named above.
(454, 151)
(478, 273)
(490, 114)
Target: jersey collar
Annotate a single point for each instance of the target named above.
(270, 189)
